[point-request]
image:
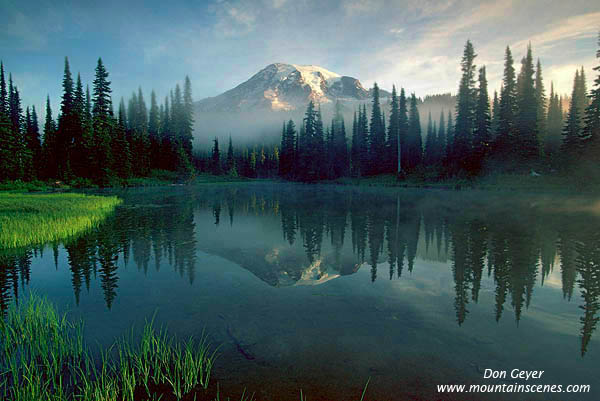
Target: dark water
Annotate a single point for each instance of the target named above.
(321, 288)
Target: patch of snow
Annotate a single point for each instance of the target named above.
(314, 76)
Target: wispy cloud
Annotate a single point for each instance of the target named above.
(568, 29)
(235, 19)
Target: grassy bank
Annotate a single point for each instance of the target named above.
(30, 219)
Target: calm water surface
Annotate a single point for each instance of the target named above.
(320, 288)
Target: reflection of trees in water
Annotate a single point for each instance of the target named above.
(588, 267)
(381, 228)
(15, 267)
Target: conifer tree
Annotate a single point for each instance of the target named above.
(571, 145)
(167, 138)
(465, 110)
(288, 146)
(339, 143)
(582, 98)
(414, 140)
(3, 92)
(216, 158)
(441, 139)
(507, 109)
(5, 127)
(376, 135)
(527, 112)
(541, 103)
(16, 159)
(363, 135)
(102, 126)
(78, 154)
(154, 132)
(5, 146)
(318, 145)
(355, 150)
(34, 145)
(481, 135)
(67, 125)
(429, 156)
(120, 145)
(311, 149)
(187, 117)
(393, 134)
(142, 141)
(495, 121)
(230, 162)
(49, 154)
(591, 131)
(403, 130)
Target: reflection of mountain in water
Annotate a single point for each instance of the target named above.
(294, 235)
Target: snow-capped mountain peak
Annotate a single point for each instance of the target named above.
(285, 87)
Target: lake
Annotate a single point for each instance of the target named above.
(322, 288)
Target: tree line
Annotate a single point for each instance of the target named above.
(88, 143)
(519, 130)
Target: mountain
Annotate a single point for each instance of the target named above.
(255, 110)
(285, 87)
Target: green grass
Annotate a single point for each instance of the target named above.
(31, 219)
(44, 357)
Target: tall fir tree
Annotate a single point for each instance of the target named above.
(154, 138)
(376, 135)
(79, 153)
(541, 103)
(215, 164)
(481, 135)
(3, 92)
(571, 145)
(230, 161)
(67, 125)
(466, 104)
(403, 130)
(414, 139)
(363, 142)
(527, 144)
(49, 145)
(504, 140)
(495, 122)
(102, 127)
(393, 134)
(287, 161)
(34, 145)
(120, 144)
(188, 118)
(591, 131)
(355, 149)
(17, 157)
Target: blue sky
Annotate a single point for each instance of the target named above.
(416, 44)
